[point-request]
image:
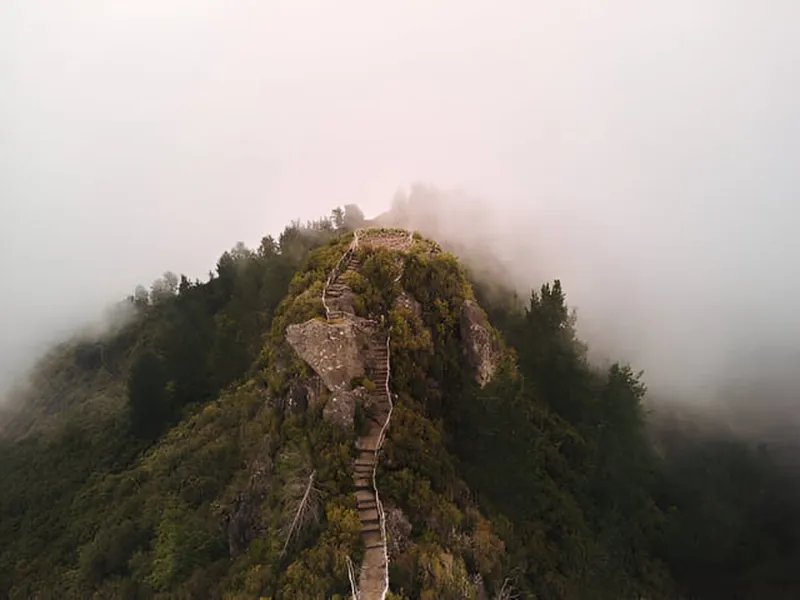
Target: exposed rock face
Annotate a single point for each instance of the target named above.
(407, 301)
(242, 522)
(341, 407)
(480, 344)
(302, 395)
(334, 350)
(398, 530)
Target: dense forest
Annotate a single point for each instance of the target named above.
(166, 458)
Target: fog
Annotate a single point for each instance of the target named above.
(642, 152)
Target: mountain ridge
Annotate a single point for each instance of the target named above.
(212, 447)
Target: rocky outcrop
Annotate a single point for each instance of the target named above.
(341, 349)
(302, 395)
(407, 301)
(241, 523)
(398, 531)
(340, 299)
(334, 350)
(480, 343)
(341, 406)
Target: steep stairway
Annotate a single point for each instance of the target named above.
(373, 580)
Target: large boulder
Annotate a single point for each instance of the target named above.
(336, 351)
(480, 342)
(341, 406)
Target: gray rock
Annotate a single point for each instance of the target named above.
(302, 395)
(336, 351)
(341, 406)
(241, 522)
(407, 301)
(398, 531)
(480, 343)
(344, 303)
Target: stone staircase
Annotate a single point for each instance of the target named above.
(373, 581)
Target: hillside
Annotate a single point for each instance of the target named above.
(345, 408)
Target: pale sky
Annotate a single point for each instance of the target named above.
(644, 152)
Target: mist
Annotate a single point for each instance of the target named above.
(642, 153)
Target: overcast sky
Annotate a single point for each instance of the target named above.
(644, 152)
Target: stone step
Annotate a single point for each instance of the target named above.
(369, 443)
(375, 546)
(363, 483)
(367, 505)
(370, 527)
(379, 419)
(375, 571)
(372, 539)
(368, 515)
(364, 496)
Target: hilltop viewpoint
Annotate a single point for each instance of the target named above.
(353, 411)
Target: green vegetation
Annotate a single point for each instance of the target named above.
(164, 461)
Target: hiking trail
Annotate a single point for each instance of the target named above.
(373, 580)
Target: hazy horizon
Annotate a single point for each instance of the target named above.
(641, 154)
